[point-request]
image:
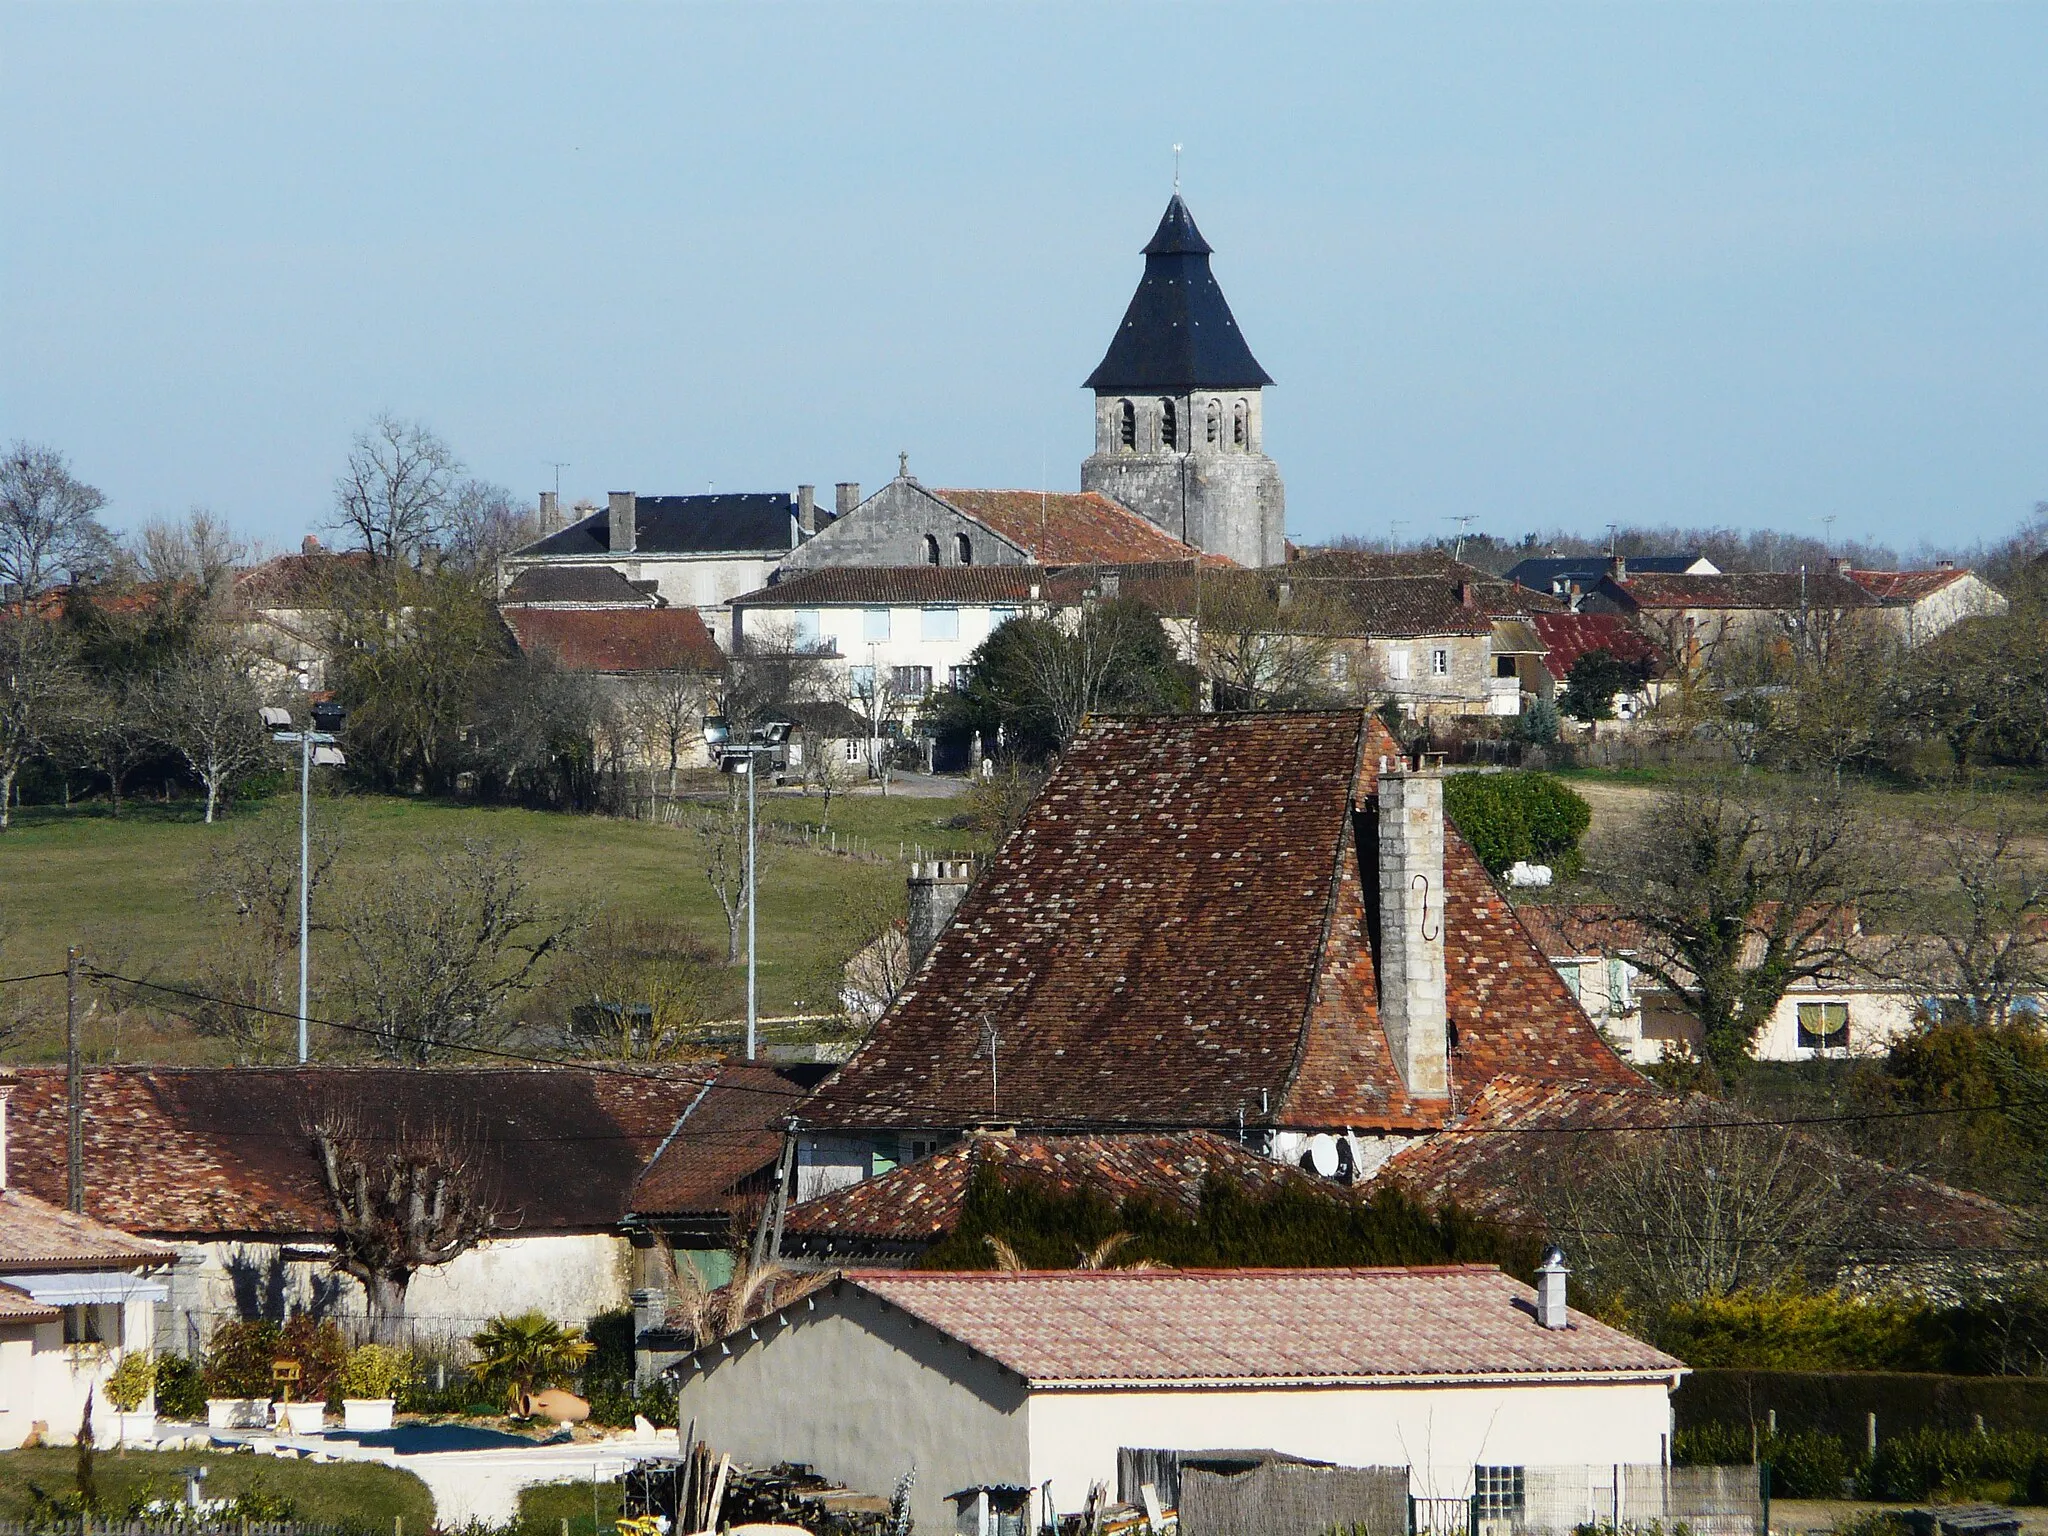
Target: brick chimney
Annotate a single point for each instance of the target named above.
(936, 890)
(1411, 915)
(846, 496)
(625, 516)
(807, 509)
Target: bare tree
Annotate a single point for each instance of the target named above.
(722, 837)
(1983, 939)
(199, 553)
(39, 688)
(205, 709)
(638, 989)
(825, 770)
(873, 694)
(484, 523)
(399, 490)
(404, 1198)
(1737, 895)
(1267, 644)
(106, 724)
(432, 956)
(664, 710)
(49, 530)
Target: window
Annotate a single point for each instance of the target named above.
(803, 629)
(1127, 424)
(82, 1325)
(1439, 662)
(874, 624)
(957, 678)
(1340, 666)
(911, 682)
(1397, 665)
(1215, 420)
(1497, 1492)
(998, 617)
(1619, 999)
(1574, 982)
(1169, 425)
(860, 682)
(963, 549)
(931, 549)
(942, 624)
(1824, 1026)
(1503, 666)
(853, 745)
(1240, 419)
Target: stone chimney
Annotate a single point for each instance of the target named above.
(846, 496)
(625, 514)
(807, 509)
(1550, 1291)
(1843, 565)
(309, 545)
(1944, 565)
(1617, 567)
(936, 890)
(7, 1081)
(1411, 913)
(550, 511)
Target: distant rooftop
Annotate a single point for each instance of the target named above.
(728, 522)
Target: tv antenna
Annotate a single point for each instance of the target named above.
(558, 465)
(1464, 520)
(1828, 523)
(1176, 170)
(991, 1042)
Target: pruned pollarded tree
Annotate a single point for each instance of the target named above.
(1738, 892)
(404, 1198)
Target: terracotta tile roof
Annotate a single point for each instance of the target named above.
(920, 1202)
(1370, 564)
(1786, 591)
(1002, 585)
(35, 1235)
(1570, 635)
(1521, 1138)
(1905, 586)
(1176, 936)
(729, 1132)
(193, 1151)
(579, 585)
(20, 1307)
(617, 639)
(1069, 528)
(1296, 1325)
(298, 581)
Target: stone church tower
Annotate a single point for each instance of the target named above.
(1179, 413)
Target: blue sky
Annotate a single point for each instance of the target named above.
(1543, 265)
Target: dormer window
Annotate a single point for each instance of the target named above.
(1127, 424)
(1169, 425)
(931, 549)
(963, 549)
(1240, 424)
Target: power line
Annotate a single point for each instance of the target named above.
(8, 981)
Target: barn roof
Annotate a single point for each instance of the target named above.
(617, 639)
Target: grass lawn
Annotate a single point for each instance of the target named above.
(129, 891)
(543, 1509)
(357, 1494)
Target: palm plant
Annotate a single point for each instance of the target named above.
(529, 1352)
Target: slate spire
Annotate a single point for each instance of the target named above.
(1178, 334)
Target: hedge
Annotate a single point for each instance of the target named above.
(1518, 815)
(1836, 1402)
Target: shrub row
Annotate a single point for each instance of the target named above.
(1518, 815)
(1836, 1402)
(1806, 1464)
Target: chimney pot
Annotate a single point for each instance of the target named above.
(625, 519)
(1944, 565)
(1550, 1291)
(1843, 565)
(1413, 1011)
(309, 545)
(846, 496)
(807, 509)
(1617, 567)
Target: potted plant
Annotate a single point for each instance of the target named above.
(128, 1387)
(529, 1354)
(369, 1386)
(237, 1373)
(317, 1350)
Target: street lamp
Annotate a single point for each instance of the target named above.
(315, 746)
(740, 757)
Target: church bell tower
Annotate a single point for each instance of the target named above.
(1180, 412)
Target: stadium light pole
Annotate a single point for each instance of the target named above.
(744, 758)
(316, 745)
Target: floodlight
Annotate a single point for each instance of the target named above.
(275, 719)
(328, 716)
(717, 729)
(328, 757)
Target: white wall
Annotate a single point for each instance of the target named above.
(1441, 1432)
(862, 1393)
(844, 630)
(42, 1380)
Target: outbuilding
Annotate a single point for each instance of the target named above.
(1010, 1393)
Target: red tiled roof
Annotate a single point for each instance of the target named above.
(1905, 586)
(881, 584)
(37, 1235)
(727, 1133)
(921, 1202)
(1521, 1138)
(196, 1151)
(297, 581)
(1786, 591)
(617, 639)
(1295, 1325)
(1067, 528)
(1571, 635)
(20, 1307)
(1176, 936)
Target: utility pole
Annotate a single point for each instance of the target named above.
(74, 1089)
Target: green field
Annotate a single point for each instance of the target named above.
(358, 1495)
(130, 892)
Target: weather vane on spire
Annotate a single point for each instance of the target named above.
(1176, 170)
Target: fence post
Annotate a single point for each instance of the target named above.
(1870, 1436)
(1763, 1488)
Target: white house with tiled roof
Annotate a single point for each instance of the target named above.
(1010, 1393)
(75, 1296)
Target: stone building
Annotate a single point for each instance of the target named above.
(1180, 410)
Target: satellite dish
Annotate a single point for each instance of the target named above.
(1322, 1154)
